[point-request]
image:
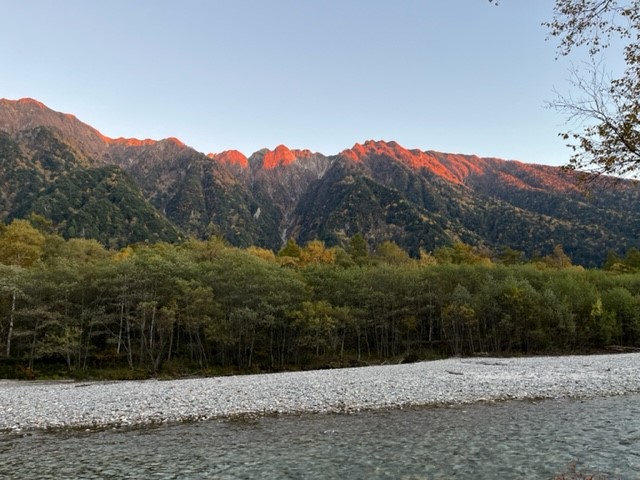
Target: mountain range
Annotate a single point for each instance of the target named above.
(124, 190)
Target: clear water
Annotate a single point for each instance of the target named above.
(512, 440)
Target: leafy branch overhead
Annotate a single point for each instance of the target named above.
(606, 108)
(604, 112)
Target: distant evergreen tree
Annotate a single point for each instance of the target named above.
(358, 248)
(291, 249)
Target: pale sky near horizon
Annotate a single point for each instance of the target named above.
(456, 76)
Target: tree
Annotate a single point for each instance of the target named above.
(21, 244)
(291, 249)
(624, 308)
(318, 323)
(509, 256)
(315, 252)
(613, 261)
(358, 248)
(289, 255)
(557, 259)
(459, 318)
(389, 252)
(263, 253)
(632, 260)
(462, 254)
(609, 107)
(10, 286)
(207, 250)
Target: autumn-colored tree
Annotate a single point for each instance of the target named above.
(314, 252)
(263, 253)
(557, 259)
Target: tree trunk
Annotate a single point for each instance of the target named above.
(121, 326)
(129, 346)
(173, 327)
(33, 344)
(151, 329)
(11, 318)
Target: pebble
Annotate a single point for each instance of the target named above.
(37, 405)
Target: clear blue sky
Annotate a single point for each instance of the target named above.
(459, 76)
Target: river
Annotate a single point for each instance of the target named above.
(508, 440)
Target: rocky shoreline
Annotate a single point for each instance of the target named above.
(29, 406)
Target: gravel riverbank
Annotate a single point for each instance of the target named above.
(45, 405)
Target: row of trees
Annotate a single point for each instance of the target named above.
(203, 305)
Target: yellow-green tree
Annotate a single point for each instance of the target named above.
(389, 252)
(21, 244)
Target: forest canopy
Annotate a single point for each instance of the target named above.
(72, 307)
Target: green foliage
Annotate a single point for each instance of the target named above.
(21, 244)
(102, 204)
(629, 264)
(461, 253)
(390, 253)
(509, 256)
(165, 309)
(47, 181)
(459, 320)
(624, 310)
(291, 249)
(358, 248)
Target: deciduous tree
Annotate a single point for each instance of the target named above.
(606, 108)
(21, 244)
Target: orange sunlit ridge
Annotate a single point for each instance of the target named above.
(455, 168)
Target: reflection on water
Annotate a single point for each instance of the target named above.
(501, 441)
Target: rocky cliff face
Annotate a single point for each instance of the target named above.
(420, 199)
(279, 179)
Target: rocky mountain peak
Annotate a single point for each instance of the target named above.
(27, 113)
(130, 142)
(147, 142)
(281, 156)
(439, 165)
(29, 102)
(175, 141)
(420, 199)
(231, 157)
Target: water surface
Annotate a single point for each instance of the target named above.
(508, 440)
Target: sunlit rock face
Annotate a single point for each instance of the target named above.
(231, 157)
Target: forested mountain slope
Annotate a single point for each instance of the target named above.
(126, 190)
